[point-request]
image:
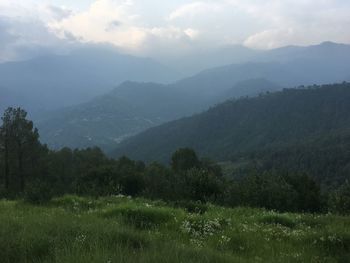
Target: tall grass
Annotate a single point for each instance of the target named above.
(119, 229)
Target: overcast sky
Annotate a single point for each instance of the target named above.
(168, 27)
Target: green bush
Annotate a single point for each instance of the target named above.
(141, 217)
(192, 207)
(75, 203)
(38, 193)
(333, 243)
(282, 220)
(339, 201)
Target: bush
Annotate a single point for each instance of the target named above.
(38, 193)
(192, 207)
(278, 220)
(75, 203)
(141, 217)
(339, 201)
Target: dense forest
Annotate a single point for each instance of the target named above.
(301, 130)
(31, 170)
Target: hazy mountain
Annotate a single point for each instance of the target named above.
(251, 87)
(203, 59)
(325, 50)
(54, 81)
(281, 118)
(129, 109)
(150, 104)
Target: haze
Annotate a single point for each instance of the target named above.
(165, 30)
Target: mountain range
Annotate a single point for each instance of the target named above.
(129, 109)
(51, 88)
(56, 81)
(269, 121)
(134, 107)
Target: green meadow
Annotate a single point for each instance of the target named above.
(122, 229)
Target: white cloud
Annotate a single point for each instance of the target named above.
(193, 9)
(153, 27)
(272, 38)
(131, 33)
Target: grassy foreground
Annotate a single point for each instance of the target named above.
(120, 229)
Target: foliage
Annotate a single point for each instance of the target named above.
(38, 193)
(184, 159)
(282, 220)
(192, 206)
(305, 130)
(19, 143)
(141, 217)
(190, 180)
(339, 202)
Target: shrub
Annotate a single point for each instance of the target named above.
(192, 207)
(200, 228)
(75, 203)
(141, 217)
(339, 201)
(334, 243)
(38, 193)
(282, 220)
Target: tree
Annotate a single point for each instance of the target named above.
(184, 159)
(202, 185)
(308, 192)
(20, 139)
(4, 144)
(339, 201)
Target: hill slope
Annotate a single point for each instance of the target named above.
(159, 103)
(57, 81)
(129, 109)
(250, 124)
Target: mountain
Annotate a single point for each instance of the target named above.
(127, 110)
(159, 103)
(203, 59)
(249, 124)
(251, 87)
(54, 81)
(288, 67)
(326, 50)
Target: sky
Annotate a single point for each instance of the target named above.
(170, 28)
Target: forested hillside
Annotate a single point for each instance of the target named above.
(317, 115)
(131, 108)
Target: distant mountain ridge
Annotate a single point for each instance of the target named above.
(149, 104)
(129, 109)
(55, 81)
(250, 124)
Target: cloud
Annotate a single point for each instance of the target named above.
(118, 23)
(59, 13)
(23, 38)
(169, 28)
(272, 38)
(300, 23)
(193, 9)
(113, 25)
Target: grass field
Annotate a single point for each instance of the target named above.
(121, 229)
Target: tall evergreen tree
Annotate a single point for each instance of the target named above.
(19, 139)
